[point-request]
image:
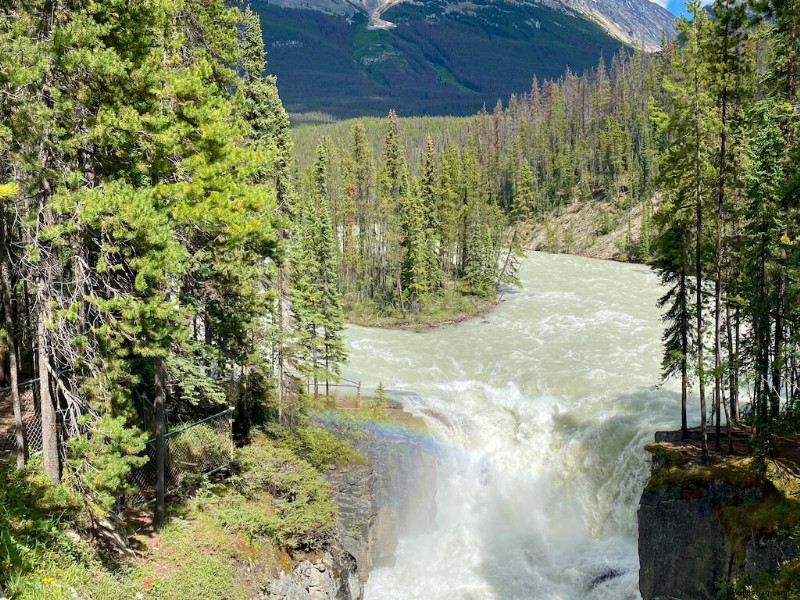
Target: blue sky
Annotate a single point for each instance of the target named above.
(676, 7)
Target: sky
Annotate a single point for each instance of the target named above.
(676, 7)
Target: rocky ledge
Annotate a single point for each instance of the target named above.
(332, 576)
(392, 494)
(702, 526)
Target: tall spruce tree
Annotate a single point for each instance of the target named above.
(688, 168)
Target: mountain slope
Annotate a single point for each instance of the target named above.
(638, 23)
(433, 57)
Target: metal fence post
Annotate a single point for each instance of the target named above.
(193, 448)
(230, 428)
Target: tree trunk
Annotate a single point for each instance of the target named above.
(281, 358)
(732, 385)
(327, 374)
(315, 362)
(159, 405)
(52, 463)
(685, 351)
(777, 360)
(718, 360)
(718, 271)
(21, 445)
(699, 270)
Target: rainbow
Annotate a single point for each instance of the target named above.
(381, 424)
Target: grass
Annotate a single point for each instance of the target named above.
(221, 543)
(193, 557)
(692, 478)
(449, 308)
(47, 552)
(42, 554)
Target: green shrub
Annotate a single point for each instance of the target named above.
(98, 462)
(299, 514)
(41, 556)
(200, 445)
(317, 446)
(783, 584)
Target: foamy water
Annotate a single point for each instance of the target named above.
(541, 411)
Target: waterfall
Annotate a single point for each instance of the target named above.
(540, 411)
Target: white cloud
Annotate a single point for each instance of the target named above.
(661, 3)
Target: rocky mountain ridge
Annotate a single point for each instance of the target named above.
(432, 57)
(638, 23)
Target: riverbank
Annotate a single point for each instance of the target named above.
(594, 229)
(450, 309)
(301, 514)
(228, 538)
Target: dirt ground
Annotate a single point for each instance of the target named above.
(7, 417)
(787, 448)
(592, 229)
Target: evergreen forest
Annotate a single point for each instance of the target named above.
(169, 250)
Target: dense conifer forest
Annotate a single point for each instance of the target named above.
(698, 138)
(165, 251)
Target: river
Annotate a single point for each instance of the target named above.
(539, 413)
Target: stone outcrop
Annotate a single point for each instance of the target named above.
(392, 494)
(332, 576)
(353, 488)
(686, 547)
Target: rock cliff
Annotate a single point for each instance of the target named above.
(392, 494)
(332, 576)
(702, 526)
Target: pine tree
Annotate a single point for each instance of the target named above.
(477, 260)
(359, 218)
(269, 132)
(416, 254)
(394, 189)
(428, 191)
(728, 86)
(316, 307)
(146, 207)
(672, 262)
(765, 221)
(449, 209)
(525, 199)
(688, 168)
(645, 236)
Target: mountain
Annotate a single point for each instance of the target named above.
(350, 58)
(638, 23)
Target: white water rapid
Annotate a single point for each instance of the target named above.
(540, 411)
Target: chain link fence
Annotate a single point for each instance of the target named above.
(193, 449)
(201, 448)
(33, 435)
(32, 421)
